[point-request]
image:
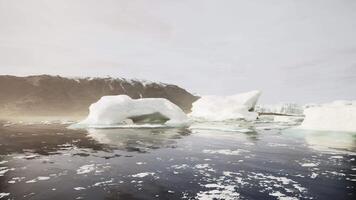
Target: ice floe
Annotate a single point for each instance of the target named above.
(4, 194)
(225, 151)
(143, 174)
(86, 169)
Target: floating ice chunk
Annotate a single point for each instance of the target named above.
(79, 188)
(86, 169)
(220, 108)
(103, 183)
(121, 109)
(3, 194)
(143, 174)
(336, 116)
(224, 151)
(43, 178)
(309, 164)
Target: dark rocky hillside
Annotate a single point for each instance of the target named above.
(46, 95)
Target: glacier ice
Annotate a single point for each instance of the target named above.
(220, 108)
(335, 116)
(281, 108)
(123, 110)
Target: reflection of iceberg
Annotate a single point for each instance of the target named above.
(219, 108)
(138, 139)
(336, 116)
(326, 140)
(121, 109)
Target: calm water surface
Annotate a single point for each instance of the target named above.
(264, 160)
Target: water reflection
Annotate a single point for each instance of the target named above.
(325, 140)
(43, 140)
(140, 140)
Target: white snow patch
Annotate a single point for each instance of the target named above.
(220, 108)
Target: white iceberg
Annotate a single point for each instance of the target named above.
(281, 108)
(111, 111)
(336, 116)
(220, 108)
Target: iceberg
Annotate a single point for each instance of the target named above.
(221, 108)
(335, 116)
(281, 108)
(111, 111)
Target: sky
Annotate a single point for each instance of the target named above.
(299, 51)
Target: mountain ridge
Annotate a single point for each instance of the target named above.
(48, 95)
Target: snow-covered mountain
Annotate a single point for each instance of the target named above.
(46, 95)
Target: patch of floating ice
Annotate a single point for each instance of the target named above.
(40, 178)
(103, 183)
(79, 188)
(218, 191)
(86, 169)
(4, 194)
(336, 157)
(4, 170)
(276, 145)
(27, 157)
(182, 166)
(224, 151)
(282, 196)
(43, 178)
(143, 174)
(309, 164)
(314, 175)
(16, 179)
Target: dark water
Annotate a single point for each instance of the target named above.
(263, 162)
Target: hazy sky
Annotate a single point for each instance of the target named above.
(292, 50)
